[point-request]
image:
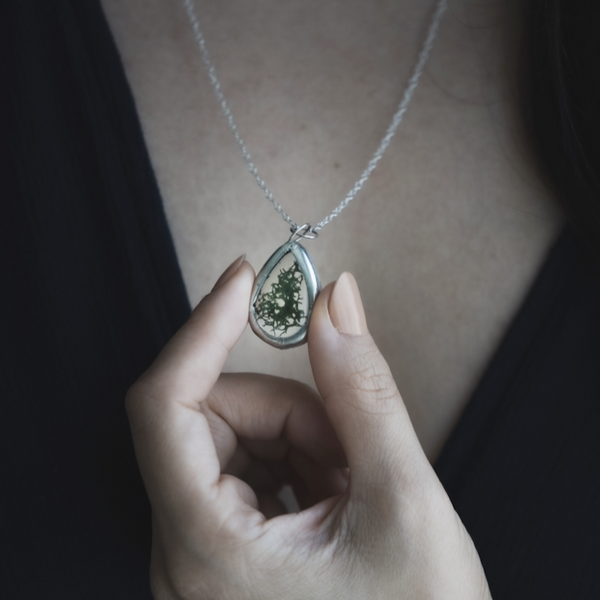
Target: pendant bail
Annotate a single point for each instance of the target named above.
(305, 232)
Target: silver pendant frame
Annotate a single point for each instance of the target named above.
(313, 287)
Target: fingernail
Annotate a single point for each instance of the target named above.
(345, 306)
(229, 272)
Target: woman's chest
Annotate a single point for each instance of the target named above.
(439, 239)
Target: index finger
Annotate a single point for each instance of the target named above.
(172, 440)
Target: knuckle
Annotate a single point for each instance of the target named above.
(140, 400)
(425, 508)
(135, 399)
(185, 585)
(370, 375)
(183, 582)
(132, 398)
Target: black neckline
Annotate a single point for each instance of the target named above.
(551, 278)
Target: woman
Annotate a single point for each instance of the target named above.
(445, 242)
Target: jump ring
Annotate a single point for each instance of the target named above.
(303, 232)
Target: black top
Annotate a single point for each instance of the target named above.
(91, 291)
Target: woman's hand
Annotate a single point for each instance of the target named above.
(381, 528)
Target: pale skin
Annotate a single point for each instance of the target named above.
(444, 242)
(375, 520)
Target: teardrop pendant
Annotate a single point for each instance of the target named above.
(283, 297)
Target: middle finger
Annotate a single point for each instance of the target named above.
(271, 414)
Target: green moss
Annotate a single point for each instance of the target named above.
(279, 308)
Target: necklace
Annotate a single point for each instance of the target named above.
(287, 286)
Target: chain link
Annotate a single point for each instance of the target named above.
(383, 145)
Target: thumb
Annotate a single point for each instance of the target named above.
(360, 395)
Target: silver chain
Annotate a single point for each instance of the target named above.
(385, 142)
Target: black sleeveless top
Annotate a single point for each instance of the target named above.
(91, 290)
